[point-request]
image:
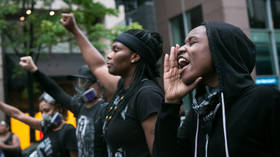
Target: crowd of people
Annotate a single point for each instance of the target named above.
(122, 111)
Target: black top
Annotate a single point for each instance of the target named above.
(251, 111)
(89, 130)
(58, 143)
(89, 123)
(124, 134)
(13, 153)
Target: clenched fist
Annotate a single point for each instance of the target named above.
(28, 64)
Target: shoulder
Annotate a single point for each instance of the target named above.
(263, 92)
(68, 127)
(261, 96)
(150, 87)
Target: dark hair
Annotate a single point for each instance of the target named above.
(50, 100)
(149, 46)
(145, 67)
(153, 41)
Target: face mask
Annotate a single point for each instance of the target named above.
(51, 121)
(81, 85)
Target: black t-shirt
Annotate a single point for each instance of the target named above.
(124, 135)
(89, 122)
(57, 143)
(89, 127)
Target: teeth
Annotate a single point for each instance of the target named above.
(182, 62)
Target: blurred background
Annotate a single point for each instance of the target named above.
(31, 27)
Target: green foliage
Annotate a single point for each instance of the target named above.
(39, 30)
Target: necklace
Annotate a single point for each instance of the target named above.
(113, 107)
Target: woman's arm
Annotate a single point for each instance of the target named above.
(17, 114)
(148, 126)
(15, 146)
(91, 55)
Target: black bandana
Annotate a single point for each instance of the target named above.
(137, 46)
(207, 104)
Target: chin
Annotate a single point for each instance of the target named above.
(188, 81)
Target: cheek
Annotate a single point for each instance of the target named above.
(200, 65)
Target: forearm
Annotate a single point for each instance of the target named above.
(52, 88)
(90, 54)
(13, 147)
(10, 111)
(17, 114)
(96, 63)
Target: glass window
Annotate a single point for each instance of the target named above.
(177, 30)
(61, 48)
(263, 59)
(275, 9)
(257, 13)
(278, 52)
(195, 17)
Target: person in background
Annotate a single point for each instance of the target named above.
(59, 138)
(9, 142)
(230, 114)
(86, 105)
(130, 76)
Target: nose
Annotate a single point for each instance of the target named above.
(182, 49)
(109, 56)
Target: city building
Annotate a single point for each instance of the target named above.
(141, 11)
(259, 19)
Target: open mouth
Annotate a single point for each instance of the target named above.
(182, 62)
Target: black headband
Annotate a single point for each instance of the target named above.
(137, 46)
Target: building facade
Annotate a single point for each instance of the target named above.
(259, 19)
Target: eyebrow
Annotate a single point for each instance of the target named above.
(190, 38)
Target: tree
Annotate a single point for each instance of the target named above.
(28, 27)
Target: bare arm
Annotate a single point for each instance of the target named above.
(15, 146)
(73, 153)
(17, 114)
(91, 55)
(148, 126)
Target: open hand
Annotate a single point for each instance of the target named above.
(175, 89)
(69, 22)
(28, 64)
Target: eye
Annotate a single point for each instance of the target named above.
(182, 62)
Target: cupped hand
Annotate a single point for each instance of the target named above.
(69, 22)
(175, 89)
(28, 64)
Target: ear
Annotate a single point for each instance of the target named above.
(134, 58)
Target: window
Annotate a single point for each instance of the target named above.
(259, 12)
(177, 30)
(195, 17)
(263, 60)
(275, 9)
(256, 13)
(61, 48)
(179, 25)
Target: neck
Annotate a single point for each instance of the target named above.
(59, 126)
(92, 103)
(212, 80)
(127, 81)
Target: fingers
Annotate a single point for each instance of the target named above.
(195, 83)
(166, 63)
(173, 57)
